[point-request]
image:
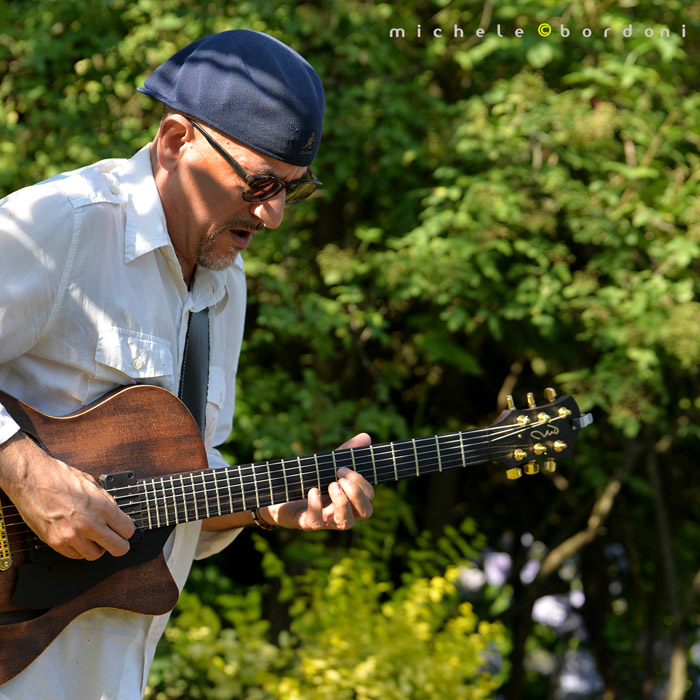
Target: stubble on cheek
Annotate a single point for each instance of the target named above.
(213, 259)
(213, 254)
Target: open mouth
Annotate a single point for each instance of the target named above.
(241, 237)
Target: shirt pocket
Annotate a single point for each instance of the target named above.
(137, 355)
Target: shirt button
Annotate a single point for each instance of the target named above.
(114, 188)
(137, 363)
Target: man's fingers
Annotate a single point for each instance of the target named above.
(339, 514)
(100, 525)
(70, 543)
(313, 517)
(107, 539)
(360, 440)
(121, 523)
(358, 490)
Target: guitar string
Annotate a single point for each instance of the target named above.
(411, 446)
(312, 465)
(200, 497)
(15, 537)
(244, 475)
(290, 466)
(197, 500)
(384, 465)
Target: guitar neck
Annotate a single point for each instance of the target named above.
(186, 497)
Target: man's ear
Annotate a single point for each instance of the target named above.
(173, 137)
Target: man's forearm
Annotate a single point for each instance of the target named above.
(65, 507)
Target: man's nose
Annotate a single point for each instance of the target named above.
(270, 211)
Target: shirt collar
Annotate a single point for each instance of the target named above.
(146, 228)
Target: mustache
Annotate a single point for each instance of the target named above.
(244, 224)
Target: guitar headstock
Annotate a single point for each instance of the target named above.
(522, 439)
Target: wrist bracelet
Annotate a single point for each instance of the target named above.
(258, 520)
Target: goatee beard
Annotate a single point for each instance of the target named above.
(217, 260)
(213, 260)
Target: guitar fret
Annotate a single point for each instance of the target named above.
(255, 483)
(217, 510)
(194, 493)
(172, 497)
(437, 448)
(269, 479)
(205, 494)
(228, 487)
(184, 498)
(155, 499)
(318, 471)
(157, 483)
(148, 506)
(374, 464)
(170, 507)
(240, 476)
(163, 504)
(335, 466)
(461, 449)
(156, 502)
(352, 456)
(286, 485)
(166, 502)
(301, 476)
(393, 458)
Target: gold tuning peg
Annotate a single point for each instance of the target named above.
(550, 466)
(514, 473)
(550, 394)
(531, 468)
(510, 403)
(531, 399)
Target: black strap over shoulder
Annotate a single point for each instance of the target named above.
(194, 378)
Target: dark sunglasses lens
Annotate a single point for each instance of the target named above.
(260, 190)
(263, 189)
(297, 193)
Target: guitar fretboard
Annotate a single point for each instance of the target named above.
(186, 497)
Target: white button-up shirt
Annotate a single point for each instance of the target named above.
(91, 298)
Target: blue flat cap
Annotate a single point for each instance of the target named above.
(249, 86)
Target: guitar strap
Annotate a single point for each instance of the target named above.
(194, 377)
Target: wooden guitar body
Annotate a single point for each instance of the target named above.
(140, 429)
(145, 448)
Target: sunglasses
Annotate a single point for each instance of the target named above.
(258, 188)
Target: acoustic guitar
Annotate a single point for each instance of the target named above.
(145, 448)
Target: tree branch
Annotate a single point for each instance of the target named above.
(599, 513)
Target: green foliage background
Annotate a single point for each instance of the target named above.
(501, 213)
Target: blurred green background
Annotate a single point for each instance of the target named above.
(501, 213)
